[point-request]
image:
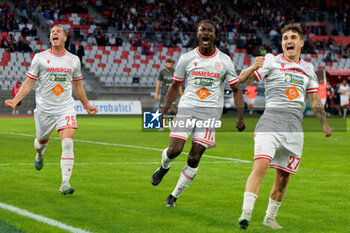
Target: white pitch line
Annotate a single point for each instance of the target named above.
(132, 146)
(115, 163)
(43, 219)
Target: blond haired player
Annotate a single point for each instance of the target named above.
(278, 134)
(58, 74)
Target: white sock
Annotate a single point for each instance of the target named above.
(40, 148)
(187, 175)
(67, 160)
(165, 159)
(249, 201)
(345, 111)
(17, 112)
(272, 208)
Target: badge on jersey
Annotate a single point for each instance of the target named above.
(203, 81)
(292, 93)
(58, 90)
(151, 120)
(203, 93)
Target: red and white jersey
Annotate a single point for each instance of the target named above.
(287, 83)
(204, 77)
(54, 73)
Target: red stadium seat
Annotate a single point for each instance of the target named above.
(329, 64)
(77, 43)
(32, 55)
(102, 48)
(106, 52)
(125, 52)
(25, 64)
(247, 60)
(321, 68)
(314, 55)
(114, 48)
(124, 56)
(39, 42)
(321, 51)
(149, 57)
(177, 49)
(171, 49)
(156, 66)
(127, 70)
(170, 53)
(88, 47)
(118, 61)
(144, 61)
(307, 59)
(98, 56)
(102, 65)
(133, 48)
(137, 57)
(135, 65)
(161, 57)
(90, 60)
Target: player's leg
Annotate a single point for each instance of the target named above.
(276, 196)
(188, 173)
(251, 191)
(67, 159)
(168, 155)
(44, 124)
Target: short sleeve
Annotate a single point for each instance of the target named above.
(160, 76)
(312, 86)
(34, 70)
(76, 74)
(180, 70)
(231, 75)
(261, 73)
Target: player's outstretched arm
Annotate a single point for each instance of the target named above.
(239, 102)
(80, 93)
(318, 109)
(23, 92)
(246, 75)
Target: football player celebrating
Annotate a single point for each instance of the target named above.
(58, 74)
(204, 70)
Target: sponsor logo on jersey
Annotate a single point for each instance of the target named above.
(48, 61)
(282, 65)
(292, 93)
(205, 74)
(203, 93)
(58, 77)
(203, 81)
(294, 79)
(293, 70)
(218, 65)
(195, 64)
(70, 62)
(59, 70)
(58, 90)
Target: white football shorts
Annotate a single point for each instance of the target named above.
(45, 123)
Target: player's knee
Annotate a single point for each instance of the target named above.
(193, 160)
(174, 150)
(67, 147)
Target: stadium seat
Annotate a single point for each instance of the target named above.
(156, 66)
(102, 65)
(98, 56)
(118, 61)
(135, 65)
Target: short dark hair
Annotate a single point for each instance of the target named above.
(168, 60)
(293, 27)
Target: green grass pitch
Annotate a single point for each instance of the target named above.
(114, 191)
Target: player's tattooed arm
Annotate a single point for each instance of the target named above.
(318, 109)
(246, 75)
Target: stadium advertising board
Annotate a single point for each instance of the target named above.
(112, 107)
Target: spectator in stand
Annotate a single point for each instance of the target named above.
(111, 40)
(33, 31)
(91, 40)
(328, 57)
(81, 54)
(346, 53)
(101, 40)
(23, 45)
(72, 48)
(136, 40)
(146, 47)
(118, 41)
(15, 90)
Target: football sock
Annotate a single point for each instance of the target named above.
(67, 160)
(272, 208)
(40, 148)
(165, 160)
(345, 111)
(187, 175)
(249, 201)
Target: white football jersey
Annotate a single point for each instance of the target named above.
(344, 90)
(204, 77)
(55, 73)
(287, 83)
